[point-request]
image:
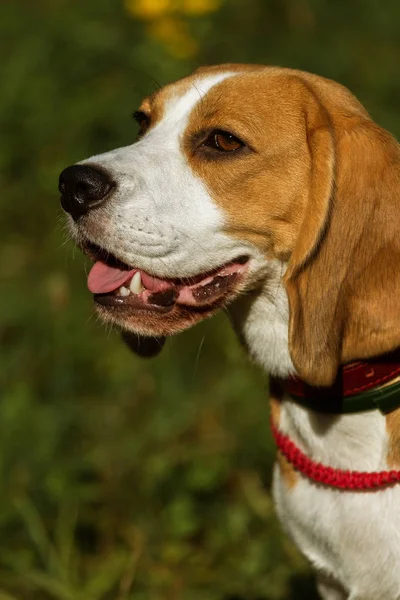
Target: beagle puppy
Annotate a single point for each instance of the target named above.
(272, 191)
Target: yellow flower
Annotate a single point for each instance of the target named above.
(165, 26)
(149, 9)
(200, 7)
(154, 9)
(175, 36)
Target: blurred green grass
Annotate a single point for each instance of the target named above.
(126, 479)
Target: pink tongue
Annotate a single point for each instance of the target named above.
(103, 278)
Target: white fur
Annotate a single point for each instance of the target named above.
(264, 330)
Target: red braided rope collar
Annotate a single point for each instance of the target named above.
(337, 478)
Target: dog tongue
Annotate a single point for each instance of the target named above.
(103, 278)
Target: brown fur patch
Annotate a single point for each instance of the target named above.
(275, 408)
(262, 191)
(288, 473)
(393, 429)
(276, 394)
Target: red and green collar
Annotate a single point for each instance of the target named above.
(357, 388)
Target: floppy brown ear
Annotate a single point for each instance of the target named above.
(343, 278)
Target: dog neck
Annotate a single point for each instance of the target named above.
(260, 320)
(362, 441)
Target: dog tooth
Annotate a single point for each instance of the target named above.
(136, 284)
(124, 291)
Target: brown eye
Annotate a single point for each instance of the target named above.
(143, 121)
(223, 141)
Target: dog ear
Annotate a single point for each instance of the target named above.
(145, 347)
(343, 278)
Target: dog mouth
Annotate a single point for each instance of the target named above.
(117, 285)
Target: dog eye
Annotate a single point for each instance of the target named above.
(223, 141)
(143, 121)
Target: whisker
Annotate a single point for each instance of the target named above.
(196, 364)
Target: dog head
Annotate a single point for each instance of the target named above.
(241, 172)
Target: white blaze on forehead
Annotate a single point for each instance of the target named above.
(167, 133)
(179, 108)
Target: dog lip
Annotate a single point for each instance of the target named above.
(164, 298)
(112, 301)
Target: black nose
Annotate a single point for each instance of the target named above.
(83, 188)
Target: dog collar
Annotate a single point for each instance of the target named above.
(328, 476)
(357, 388)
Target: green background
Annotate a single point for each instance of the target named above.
(121, 478)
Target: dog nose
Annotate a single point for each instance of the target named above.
(83, 188)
